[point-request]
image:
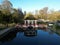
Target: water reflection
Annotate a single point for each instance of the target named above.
(57, 32)
(10, 36)
(30, 33)
(32, 37)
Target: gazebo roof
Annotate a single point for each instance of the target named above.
(30, 18)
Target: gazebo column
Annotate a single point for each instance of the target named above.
(25, 22)
(35, 22)
(28, 22)
(32, 22)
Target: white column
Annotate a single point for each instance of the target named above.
(35, 21)
(32, 21)
(28, 22)
(25, 22)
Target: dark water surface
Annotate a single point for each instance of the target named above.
(41, 37)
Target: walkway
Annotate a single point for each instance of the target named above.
(2, 32)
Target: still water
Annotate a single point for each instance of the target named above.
(41, 37)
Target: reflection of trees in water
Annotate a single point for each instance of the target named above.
(57, 32)
(8, 37)
(54, 31)
(51, 32)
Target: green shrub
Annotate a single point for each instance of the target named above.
(57, 27)
(41, 22)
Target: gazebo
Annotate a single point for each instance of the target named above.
(30, 20)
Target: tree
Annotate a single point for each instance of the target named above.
(21, 14)
(7, 5)
(6, 17)
(18, 16)
(29, 16)
(43, 13)
(1, 16)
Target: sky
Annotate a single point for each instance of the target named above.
(32, 5)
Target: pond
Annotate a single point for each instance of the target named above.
(40, 37)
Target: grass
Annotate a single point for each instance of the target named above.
(11, 25)
(2, 26)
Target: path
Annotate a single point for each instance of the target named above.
(2, 32)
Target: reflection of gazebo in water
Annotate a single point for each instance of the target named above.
(31, 20)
